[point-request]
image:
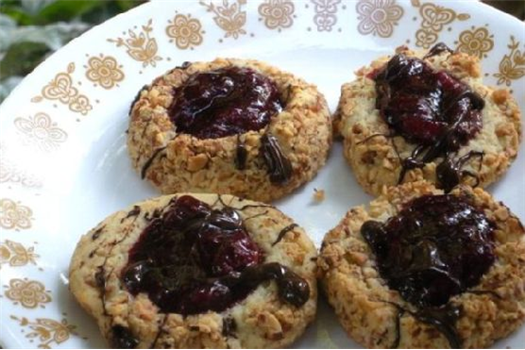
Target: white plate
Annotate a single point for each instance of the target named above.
(64, 163)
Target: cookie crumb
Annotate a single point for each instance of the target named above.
(319, 195)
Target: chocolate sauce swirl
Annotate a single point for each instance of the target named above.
(435, 248)
(192, 259)
(431, 109)
(224, 102)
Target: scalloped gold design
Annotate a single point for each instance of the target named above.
(140, 46)
(61, 89)
(104, 71)
(433, 19)
(11, 173)
(46, 331)
(185, 31)
(512, 65)
(378, 17)
(229, 16)
(325, 14)
(277, 14)
(476, 42)
(15, 254)
(27, 293)
(14, 215)
(41, 131)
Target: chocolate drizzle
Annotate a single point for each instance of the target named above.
(443, 318)
(283, 232)
(132, 213)
(149, 162)
(122, 338)
(97, 233)
(224, 102)
(136, 98)
(437, 50)
(193, 258)
(241, 154)
(436, 247)
(449, 173)
(431, 109)
(279, 166)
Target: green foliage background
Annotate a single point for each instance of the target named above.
(30, 30)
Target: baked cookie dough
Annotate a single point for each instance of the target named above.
(197, 271)
(423, 269)
(420, 115)
(229, 126)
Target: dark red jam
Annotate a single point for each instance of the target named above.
(224, 102)
(193, 259)
(427, 107)
(435, 248)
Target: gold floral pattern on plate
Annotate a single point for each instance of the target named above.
(104, 71)
(46, 331)
(512, 65)
(476, 42)
(14, 215)
(378, 17)
(61, 89)
(277, 14)
(433, 19)
(185, 31)
(230, 17)
(325, 14)
(10, 172)
(41, 131)
(29, 294)
(15, 254)
(140, 46)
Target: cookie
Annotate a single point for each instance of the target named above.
(424, 269)
(426, 115)
(197, 271)
(229, 126)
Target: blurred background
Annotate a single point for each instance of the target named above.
(30, 30)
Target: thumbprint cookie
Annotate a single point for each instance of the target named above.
(197, 271)
(229, 126)
(426, 116)
(426, 269)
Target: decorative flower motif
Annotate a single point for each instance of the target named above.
(277, 14)
(61, 89)
(512, 65)
(104, 71)
(325, 14)
(42, 131)
(378, 17)
(14, 215)
(186, 31)
(477, 42)
(30, 294)
(47, 331)
(15, 254)
(10, 171)
(141, 47)
(434, 19)
(229, 17)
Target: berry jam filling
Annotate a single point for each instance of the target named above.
(224, 102)
(435, 248)
(193, 259)
(427, 107)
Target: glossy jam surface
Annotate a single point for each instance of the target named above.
(435, 248)
(224, 102)
(427, 107)
(181, 255)
(192, 259)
